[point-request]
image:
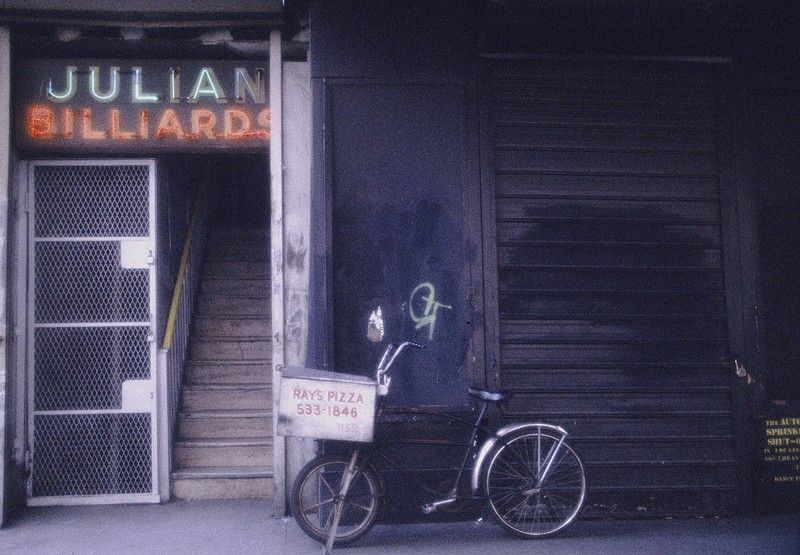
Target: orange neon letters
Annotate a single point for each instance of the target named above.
(111, 124)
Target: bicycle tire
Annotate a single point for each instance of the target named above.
(315, 489)
(510, 483)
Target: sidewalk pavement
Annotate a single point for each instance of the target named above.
(247, 526)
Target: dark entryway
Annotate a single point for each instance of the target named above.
(223, 445)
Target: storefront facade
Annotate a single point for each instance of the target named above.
(575, 190)
(589, 207)
(138, 149)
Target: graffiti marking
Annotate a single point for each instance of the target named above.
(428, 317)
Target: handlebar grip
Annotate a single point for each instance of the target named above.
(412, 344)
(390, 354)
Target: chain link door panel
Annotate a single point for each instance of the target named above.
(91, 342)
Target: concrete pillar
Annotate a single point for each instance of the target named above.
(297, 234)
(276, 237)
(5, 142)
(290, 155)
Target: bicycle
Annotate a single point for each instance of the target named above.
(532, 480)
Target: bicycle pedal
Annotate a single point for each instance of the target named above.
(429, 508)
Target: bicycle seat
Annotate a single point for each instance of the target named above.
(490, 396)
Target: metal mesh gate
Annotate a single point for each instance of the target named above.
(92, 294)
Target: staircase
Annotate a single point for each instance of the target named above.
(223, 448)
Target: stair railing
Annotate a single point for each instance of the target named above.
(173, 352)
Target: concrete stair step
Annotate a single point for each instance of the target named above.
(232, 327)
(228, 372)
(227, 424)
(235, 234)
(225, 269)
(262, 471)
(237, 287)
(222, 349)
(227, 452)
(228, 305)
(201, 398)
(194, 484)
(238, 250)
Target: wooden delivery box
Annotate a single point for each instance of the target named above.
(326, 405)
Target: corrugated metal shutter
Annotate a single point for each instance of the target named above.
(611, 290)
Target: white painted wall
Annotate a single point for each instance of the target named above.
(296, 206)
(276, 257)
(5, 142)
(297, 235)
(290, 189)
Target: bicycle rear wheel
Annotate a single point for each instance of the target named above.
(518, 501)
(317, 488)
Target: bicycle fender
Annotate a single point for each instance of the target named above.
(489, 444)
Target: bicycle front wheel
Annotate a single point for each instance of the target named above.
(523, 503)
(316, 490)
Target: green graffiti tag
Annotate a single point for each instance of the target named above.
(431, 307)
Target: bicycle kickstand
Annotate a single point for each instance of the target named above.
(339, 501)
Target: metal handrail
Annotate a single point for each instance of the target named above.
(173, 353)
(181, 279)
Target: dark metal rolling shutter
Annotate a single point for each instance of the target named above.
(610, 274)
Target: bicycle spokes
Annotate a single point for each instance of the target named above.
(535, 484)
(318, 492)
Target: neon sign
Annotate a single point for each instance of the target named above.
(143, 105)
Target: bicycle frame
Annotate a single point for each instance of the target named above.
(532, 480)
(493, 435)
(377, 450)
(481, 453)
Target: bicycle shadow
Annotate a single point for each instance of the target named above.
(481, 536)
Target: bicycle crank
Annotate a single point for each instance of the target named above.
(431, 507)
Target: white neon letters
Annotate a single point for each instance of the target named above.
(153, 102)
(206, 86)
(94, 84)
(69, 92)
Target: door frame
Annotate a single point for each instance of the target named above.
(142, 397)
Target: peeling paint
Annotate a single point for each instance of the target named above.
(296, 251)
(296, 324)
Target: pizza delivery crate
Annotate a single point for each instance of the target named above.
(326, 405)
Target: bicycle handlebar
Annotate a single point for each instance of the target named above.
(389, 356)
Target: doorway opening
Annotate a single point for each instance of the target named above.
(223, 428)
